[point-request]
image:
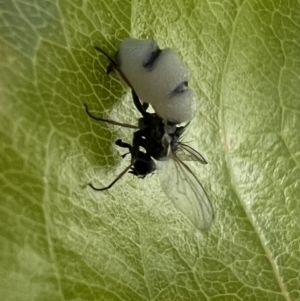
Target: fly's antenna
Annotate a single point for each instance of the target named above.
(124, 125)
(115, 180)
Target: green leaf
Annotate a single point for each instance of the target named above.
(62, 241)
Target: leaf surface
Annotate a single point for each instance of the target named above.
(62, 241)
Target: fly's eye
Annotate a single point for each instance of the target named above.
(151, 60)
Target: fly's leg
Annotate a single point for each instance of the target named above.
(134, 150)
(125, 125)
(114, 66)
(115, 180)
(140, 107)
(122, 144)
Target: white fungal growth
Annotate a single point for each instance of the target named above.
(159, 77)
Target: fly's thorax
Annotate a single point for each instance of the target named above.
(152, 130)
(155, 147)
(141, 123)
(153, 121)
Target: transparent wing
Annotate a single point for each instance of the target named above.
(186, 192)
(187, 153)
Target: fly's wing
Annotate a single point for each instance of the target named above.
(187, 153)
(186, 192)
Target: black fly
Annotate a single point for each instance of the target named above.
(161, 142)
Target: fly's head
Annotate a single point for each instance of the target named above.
(143, 165)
